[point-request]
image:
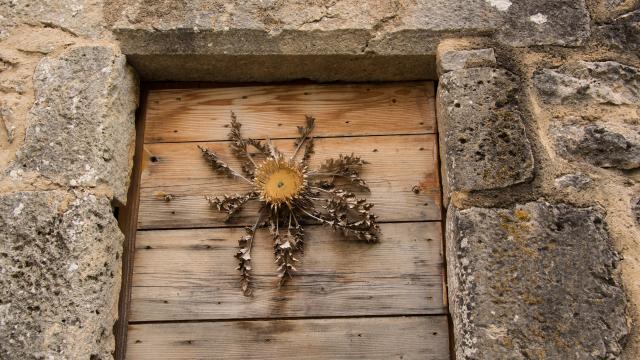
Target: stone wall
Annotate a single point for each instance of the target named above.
(539, 121)
(67, 107)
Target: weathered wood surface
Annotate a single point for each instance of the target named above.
(185, 297)
(176, 115)
(402, 174)
(128, 222)
(191, 274)
(423, 338)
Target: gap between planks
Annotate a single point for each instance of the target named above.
(310, 223)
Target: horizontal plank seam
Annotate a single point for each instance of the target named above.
(169, 86)
(293, 138)
(288, 318)
(307, 224)
(267, 276)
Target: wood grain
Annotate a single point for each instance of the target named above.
(402, 174)
(177, 115)
(424, 338)
(349, 300)
(191, 274)
(128, 222)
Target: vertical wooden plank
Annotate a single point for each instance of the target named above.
(128, 222)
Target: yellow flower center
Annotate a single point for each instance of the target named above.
(279, 181)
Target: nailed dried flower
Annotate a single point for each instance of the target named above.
(289, 194)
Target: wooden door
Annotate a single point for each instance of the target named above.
(349, 299)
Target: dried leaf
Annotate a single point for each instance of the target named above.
(244, 261)
(273, 150)
(308, 151)
(264, 149)
(345, 212)
(345, 166)
(230, 203)
(218, 165)
(304, 132)
(240, 147)
(283, 250)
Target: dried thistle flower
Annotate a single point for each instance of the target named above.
(289, 194)
(280, 181)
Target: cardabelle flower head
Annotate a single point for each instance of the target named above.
(280, 181)
(290, 193)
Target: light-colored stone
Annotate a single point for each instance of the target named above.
(295, 27)
(537, 281)
(59, 276)
(464, 59)
(346, 40)
(601, 144)
(81, 127)
(578, 181)
(545, 22)
(77, 17)
(483, 140)
(582, 82)
(20, 53)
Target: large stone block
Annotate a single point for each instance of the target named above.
(59, 276)
(538, 281)
(81, 127)
(483, 140)
(600, 144)
(582, 82)
(266, 40)
(343, 40)
(623, 32)
(545, 22)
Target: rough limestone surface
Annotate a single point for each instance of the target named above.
(345, 40)
(582, 82)
(600, 144)
(464, 59)
(295, 27)
(578, 181)
(635, 208)
(59, 275)
(545, 22)
(81, 126)
(77, 17)
(537, 281)
(393, 40)
(623, 32)
(483, 140)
